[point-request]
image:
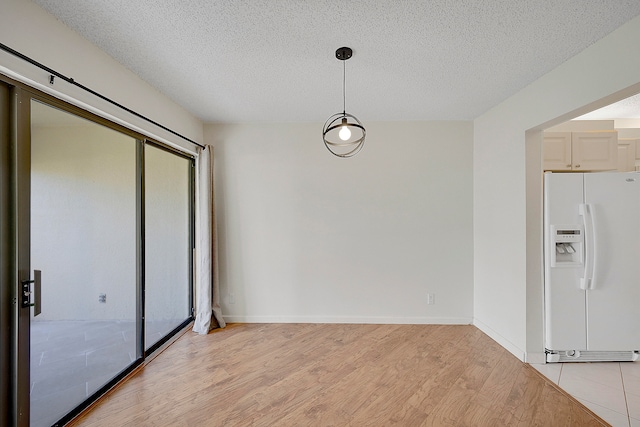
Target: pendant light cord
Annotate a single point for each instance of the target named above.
(344, 84)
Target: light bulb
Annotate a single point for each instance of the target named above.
(344, 133)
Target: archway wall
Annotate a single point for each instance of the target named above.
(508, 183)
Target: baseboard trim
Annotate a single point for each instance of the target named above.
(536, 358)
(508, 345)
(231, 318)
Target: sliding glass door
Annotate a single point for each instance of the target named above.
(96, 238)
(83, 240)
(168, 242)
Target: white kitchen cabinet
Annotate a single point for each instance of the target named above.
(627, 154)
(580, 151)
(556, 151)
(593, 151)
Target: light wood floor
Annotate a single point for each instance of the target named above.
(337, 375)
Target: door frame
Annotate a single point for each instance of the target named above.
(14, 232)
(7, 256)
(22, 186)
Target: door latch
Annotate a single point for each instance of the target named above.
(37, 294)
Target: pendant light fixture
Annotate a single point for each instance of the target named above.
(343, 133)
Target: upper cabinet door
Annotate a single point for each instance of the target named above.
(594, 151)
(626, 155)
(556, 151)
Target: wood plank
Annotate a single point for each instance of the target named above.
(335, 375)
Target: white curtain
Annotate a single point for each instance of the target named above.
(208, 311)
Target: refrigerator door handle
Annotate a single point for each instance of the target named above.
(587, 282)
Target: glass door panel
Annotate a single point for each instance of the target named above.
(84, 240)
(167, 190)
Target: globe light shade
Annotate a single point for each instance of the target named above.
(343, 135)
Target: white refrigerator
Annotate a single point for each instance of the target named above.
(592, 266)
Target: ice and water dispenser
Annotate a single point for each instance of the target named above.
(567, 245)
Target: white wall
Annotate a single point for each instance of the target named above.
(507, 186)
(627, 123)
(628, 128)
(582, 126)
(32, 31)
(309, 237)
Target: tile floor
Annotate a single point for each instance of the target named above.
(610, 389)
(70, 360)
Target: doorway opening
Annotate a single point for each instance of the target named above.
(622, 118)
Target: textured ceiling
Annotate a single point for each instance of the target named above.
(626, 109)
(273, 60)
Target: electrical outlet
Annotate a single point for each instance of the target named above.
(102, 298)
(431, 299)
(232, 298)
